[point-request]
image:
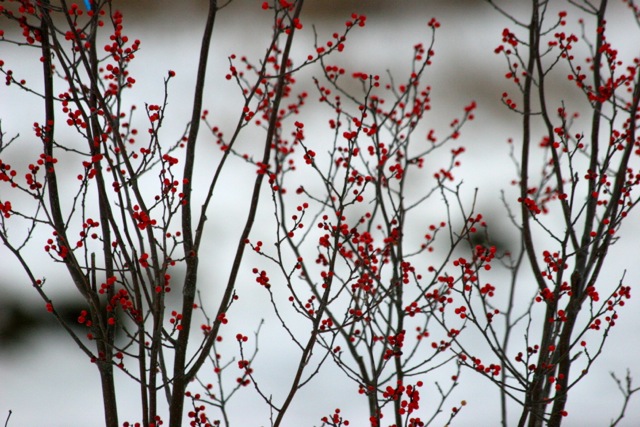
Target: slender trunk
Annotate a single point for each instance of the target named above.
(180, 379)
(532, 404)
(79, 279)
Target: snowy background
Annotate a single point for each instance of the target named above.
(47, 382)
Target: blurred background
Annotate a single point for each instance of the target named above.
(46, 381)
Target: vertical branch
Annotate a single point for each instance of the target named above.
(104, 207)
(596, 118)
(579, 275)
(270, 142)
(533, 406)
(81, 281)
(191, 277)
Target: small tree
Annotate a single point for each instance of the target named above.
(355, 275)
